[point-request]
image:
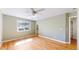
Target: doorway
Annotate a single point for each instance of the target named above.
(73, 31)
(36, 30)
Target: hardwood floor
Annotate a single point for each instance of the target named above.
(37, 43)
(73, 45)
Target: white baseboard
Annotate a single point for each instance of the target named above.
(54, 39)
(8, 40)
(14, 39)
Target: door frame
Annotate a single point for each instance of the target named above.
(70, 18)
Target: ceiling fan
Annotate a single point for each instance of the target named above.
(36, 10)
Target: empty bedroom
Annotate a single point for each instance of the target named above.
(38, 29)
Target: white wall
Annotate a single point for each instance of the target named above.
(74, 28)
(0, 28)
(78, 29)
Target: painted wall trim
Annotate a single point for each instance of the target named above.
(15, 39)
(9, 40)
(54, 39)
(70, 18)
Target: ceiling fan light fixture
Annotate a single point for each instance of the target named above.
(36, 10)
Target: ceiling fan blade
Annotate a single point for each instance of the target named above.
(36, 10)
(40, 10)
(33, 10)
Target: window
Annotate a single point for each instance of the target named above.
(23, 25)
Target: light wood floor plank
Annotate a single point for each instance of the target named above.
(37, 43)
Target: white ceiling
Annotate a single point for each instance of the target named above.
(27, 13)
